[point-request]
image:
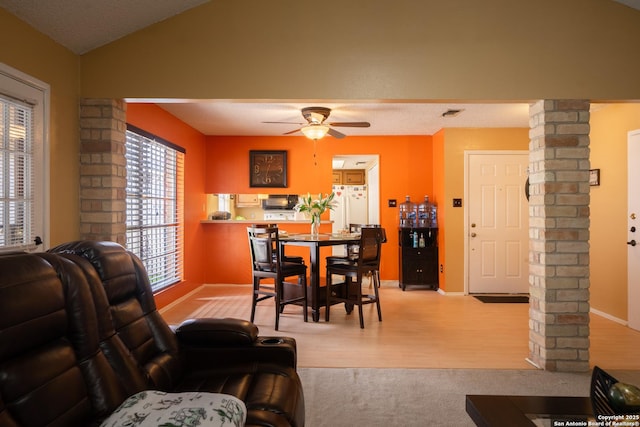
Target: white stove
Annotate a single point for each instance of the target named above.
(279, 215)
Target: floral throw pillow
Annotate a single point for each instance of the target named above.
(153, 408)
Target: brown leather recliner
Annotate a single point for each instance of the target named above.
(79, 332)
(213, 355)
(52, 369)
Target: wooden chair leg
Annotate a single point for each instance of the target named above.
(328, 297)
(377, 293)
(278, 289)
(359, 299)
(304, 302)
(254, 298)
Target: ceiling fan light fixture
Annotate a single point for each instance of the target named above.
(315, 131)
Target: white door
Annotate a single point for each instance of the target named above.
(633, 221)
(497, 222)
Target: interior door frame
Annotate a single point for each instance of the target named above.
(467, 155)
(633, 270)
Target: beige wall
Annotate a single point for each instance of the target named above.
(38, 56)
(377, 49)
(608, 251)
(456, 142)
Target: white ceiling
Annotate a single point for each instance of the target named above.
(83, 25)
(242, 118)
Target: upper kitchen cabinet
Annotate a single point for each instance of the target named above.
(349, 176)
(247, 200)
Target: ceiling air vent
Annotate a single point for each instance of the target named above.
(451, 113)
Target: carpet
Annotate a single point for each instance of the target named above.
(513, 299)
(348, 397)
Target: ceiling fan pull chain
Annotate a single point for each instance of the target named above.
(315, 159)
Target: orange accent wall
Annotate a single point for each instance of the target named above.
(218, 253)
(159, 122)
(406, 168)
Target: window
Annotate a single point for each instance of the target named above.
(155, 205)
(23, 136)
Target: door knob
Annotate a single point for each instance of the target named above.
(473, 224)
(632, 243)
(632, 216)
(474, 235)
(632, 229)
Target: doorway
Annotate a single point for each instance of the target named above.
(369, 165)
(633, 228)
(496, 222)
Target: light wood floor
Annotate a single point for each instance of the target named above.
(420, 329)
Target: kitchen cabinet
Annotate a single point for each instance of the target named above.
(353, 177)
(418, 265)
(247, 200)
(349, 177)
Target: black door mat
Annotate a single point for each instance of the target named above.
(513, 299)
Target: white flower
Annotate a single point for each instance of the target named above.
(316, 207)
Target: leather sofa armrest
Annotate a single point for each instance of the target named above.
(214, 332)
(231, 342)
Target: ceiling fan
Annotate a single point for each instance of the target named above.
(317, 127)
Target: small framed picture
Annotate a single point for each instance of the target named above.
(594, 177)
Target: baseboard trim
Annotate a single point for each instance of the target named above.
(450, 294)
(532, 363)
(609, 317)
(179, 300)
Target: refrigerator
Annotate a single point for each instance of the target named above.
(350, 207)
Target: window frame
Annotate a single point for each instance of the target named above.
(177, 262)
(14, 84)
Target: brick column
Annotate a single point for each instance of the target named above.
(559, 235)
(103, 171)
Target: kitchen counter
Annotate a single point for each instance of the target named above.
(259, 221)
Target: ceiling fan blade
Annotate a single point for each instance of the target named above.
(334, 133)
(291, 132)
(286, 123)
(352, 124)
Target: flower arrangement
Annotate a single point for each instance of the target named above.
(315, 207)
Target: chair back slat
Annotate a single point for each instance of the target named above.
(263, 253)
(371, 239)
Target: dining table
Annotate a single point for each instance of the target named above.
(314, 242)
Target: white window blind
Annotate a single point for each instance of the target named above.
(155, 200)
(17, 196)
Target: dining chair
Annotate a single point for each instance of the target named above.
(352, 251)
(270, 272)
(367, 262)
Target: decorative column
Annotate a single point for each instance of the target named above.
(559, 235)
(103, 170)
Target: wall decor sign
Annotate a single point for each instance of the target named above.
(267, 168)
(594, 177)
